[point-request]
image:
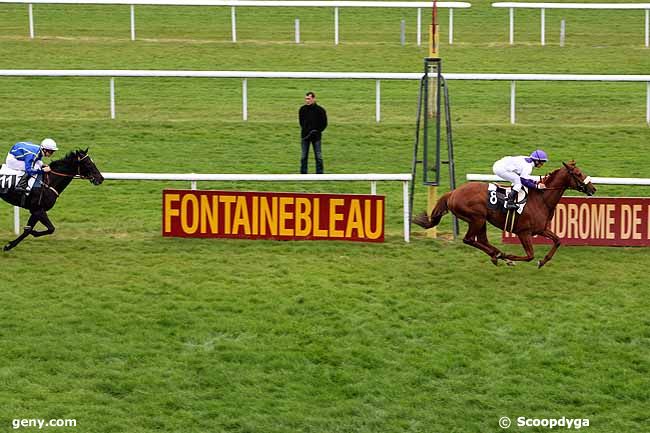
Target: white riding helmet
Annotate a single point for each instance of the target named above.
(49, 144)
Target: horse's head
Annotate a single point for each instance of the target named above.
(86, 167)
(578, 180)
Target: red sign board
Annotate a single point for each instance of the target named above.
(272, 215)
(604, 221)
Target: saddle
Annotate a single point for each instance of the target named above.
(9, 179)
(498, 196)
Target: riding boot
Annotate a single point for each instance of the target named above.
(21, 186)
(512, 200)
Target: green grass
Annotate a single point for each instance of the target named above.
(111, 324)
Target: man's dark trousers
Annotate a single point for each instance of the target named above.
(304, 157)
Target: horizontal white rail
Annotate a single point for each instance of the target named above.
(598, 180)
(245, 75)
(258, 177)
(258, 3)
(543, 6)
(405, 178)
(254, 3)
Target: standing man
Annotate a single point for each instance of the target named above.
(313, 121)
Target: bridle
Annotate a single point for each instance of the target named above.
(581, 184)
(74, 176)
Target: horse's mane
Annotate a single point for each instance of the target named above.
(68, 158)
(550, 176)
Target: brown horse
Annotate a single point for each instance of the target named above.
(469, 203)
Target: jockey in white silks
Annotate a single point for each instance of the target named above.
(517, 170)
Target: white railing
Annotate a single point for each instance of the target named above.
(543, 6)
(598, 180)
(258, 3)
(378, 76)
(193, 178)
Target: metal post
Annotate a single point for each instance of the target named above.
(193, 185)
(647, 28)
(402, 32)
(512, 26)
(244, 95)
(336, 26)
(543, 27)
(112, 92)
(297, 30)
(512, 102)
(31, 21)
(562, 32)
(407, 218)
(373, 187)
(233, 24)
(377, 101)
(419, 27)
(451, 26)
(132, 22)
(16, 220)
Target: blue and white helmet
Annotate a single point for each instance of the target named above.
(539, 155)
(49, 144)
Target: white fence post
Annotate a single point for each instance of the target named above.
(16, 220)
(407, 217)
(377, 101)
(133, 22)
(244, 97)
(297, 30)
(647, 28)
(193, 185)
(112, 97)
(233, 24)
(336, 26)
(512, 102)
(419, 27)
(373, 187)
(451, 26)
(647, 104)
(543, 32)
(31, 21)
(512, 26)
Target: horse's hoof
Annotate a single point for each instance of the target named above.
(540, 264)
(510, 262)
(495, 261)
(8, 247)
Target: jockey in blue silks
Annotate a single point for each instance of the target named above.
(26, 156)
(517, 170)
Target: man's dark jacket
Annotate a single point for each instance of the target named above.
(313, 121)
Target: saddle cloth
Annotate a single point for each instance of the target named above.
(9, 178)
(498, 195)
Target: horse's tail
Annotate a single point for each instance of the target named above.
(438, 212)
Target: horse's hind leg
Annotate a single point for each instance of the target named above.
(474, 236)
(483, 239)
(33, 219)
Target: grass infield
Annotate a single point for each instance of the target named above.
(108, 323)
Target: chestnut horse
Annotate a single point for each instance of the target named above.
(469, 203)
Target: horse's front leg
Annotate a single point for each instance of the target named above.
(548, 234)
(29, 228)
(45, 220)
(526, 242)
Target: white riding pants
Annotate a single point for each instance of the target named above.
(15, 164)
(508, 175)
